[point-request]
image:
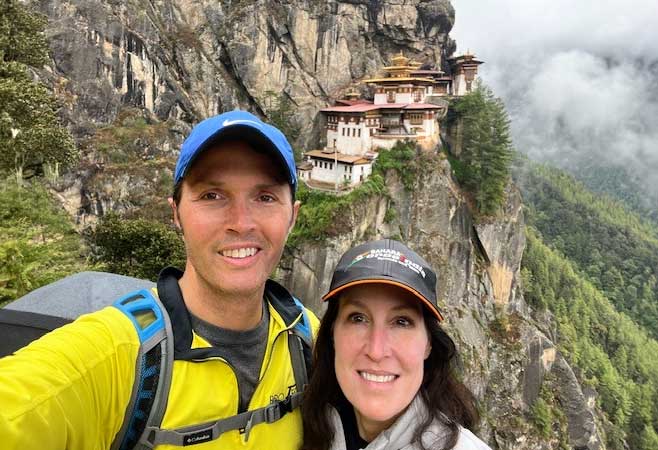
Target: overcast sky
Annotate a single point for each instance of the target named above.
(576, 76)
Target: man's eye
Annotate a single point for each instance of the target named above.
(210, 196)
(267, 198)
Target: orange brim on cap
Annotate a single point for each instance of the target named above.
(432, 308)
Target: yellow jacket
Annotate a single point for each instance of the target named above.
(70, 389)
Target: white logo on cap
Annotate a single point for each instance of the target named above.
(233, 122)
(385, 254)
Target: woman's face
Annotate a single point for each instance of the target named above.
(381, 343)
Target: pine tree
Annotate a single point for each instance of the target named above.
(486, 148)
(30, 134)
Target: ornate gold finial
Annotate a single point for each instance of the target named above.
(352, 93)
(399, 59)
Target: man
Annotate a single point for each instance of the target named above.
(234, 203)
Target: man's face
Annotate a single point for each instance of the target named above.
(235, 213)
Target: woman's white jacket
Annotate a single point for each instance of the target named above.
(400, 436)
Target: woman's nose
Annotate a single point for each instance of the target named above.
(378, 345)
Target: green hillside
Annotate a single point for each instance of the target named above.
(610, 245)
(614, 355)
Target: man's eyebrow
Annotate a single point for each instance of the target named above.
(272, 185)
(219, 183)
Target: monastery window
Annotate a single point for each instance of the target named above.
(390, 96)
(331, 166)
(416, 118)
(343, 131)
(359, 132)
(350, 169)
(372, 131)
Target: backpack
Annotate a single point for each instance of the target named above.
(145, 411)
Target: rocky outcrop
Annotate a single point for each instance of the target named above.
(578, 407)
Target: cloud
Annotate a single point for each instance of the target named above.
(580, 79)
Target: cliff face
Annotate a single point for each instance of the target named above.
(507, 357)
(186, 60)
(176, 62)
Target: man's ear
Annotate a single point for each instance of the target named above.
(295, 211)
(174, 210)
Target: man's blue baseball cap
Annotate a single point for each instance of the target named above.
(242, 126)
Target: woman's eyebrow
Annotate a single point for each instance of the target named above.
(355, 302)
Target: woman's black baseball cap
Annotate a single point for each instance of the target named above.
(389, 262)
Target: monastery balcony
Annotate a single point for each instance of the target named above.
(398, 132)
(398, 136)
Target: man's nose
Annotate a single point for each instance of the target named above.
(240, 216)
(378, 346)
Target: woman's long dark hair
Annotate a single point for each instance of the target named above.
(447, 399)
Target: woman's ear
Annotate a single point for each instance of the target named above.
(428, 349)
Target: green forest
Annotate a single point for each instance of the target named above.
(615, 249)
(592, 263)
(614, 355)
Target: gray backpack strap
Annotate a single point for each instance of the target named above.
(300, 344)
(243, 422)
(296, 349)
(153, 367)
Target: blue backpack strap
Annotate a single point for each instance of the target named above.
(152, 369)
(304, 324)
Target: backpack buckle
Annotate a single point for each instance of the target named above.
(286, 405)
(278, 409)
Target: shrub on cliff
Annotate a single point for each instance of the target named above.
(137, 247)
(39, 244)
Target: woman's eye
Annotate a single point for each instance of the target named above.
(403, 322)
(356, 318)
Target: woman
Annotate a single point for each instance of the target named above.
(382, 377)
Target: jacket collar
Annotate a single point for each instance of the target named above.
(401, 434)
(172, 298)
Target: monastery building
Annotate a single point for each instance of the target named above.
(408, 104)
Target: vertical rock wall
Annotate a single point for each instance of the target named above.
(185, 60)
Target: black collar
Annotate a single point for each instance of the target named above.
(172, 298)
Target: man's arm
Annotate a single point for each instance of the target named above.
(69, 389)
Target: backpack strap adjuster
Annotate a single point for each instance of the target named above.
(277, 410)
